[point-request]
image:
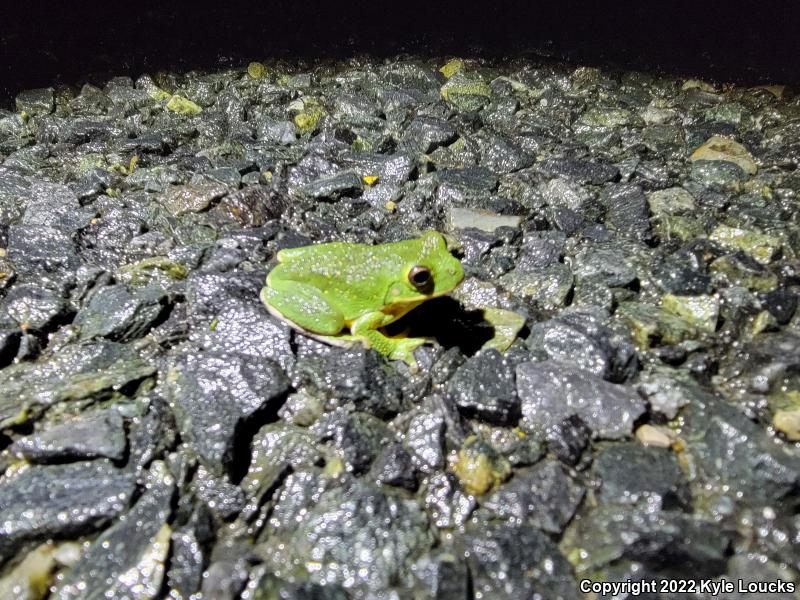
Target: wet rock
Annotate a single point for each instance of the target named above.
(95, 435)
(543, 496)
(361, 538)
(581, 339)
(718, 148)
(271, 587)
(215, 395)
(761, 247)
(464, 218)
(672, 201)
(222, 499)
(60, 501)
(36, 102)
(609, 264)
(32, 307)
(425, 134)
(630, 472)
(520, 556)
(628, 211)
(151, 435)
(119, 313)
(718, 175)
(741, 270)
(441, 576)
(247, 330)
(447, 505)
(568, 439)
(88, 373)
(699, 311)
(42, 251)
(333, 186)
(277, 449)
(394, 466)
(55, 205)
(187, 559)
(484, 387)
(565, 193)
(357, 437)
(548, 287)
(551, 391)
(191, 198)
(128, 560)
(781, 304)
(353, 375)
(663, 540)
(479, 467)
(31, 578)
(736, 452)
(582, 171)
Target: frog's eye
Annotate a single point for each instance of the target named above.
(421, 278)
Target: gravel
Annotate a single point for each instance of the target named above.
(630, 245)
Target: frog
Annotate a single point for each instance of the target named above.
(344, 293)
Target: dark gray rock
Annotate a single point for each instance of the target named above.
(568, 439)
(272, 587)
(425, 134)
(55, 205)
(628, 211)
(542, 495)
(735, 452)
(42, 251)
(215, 395)
(60, 501)
(582, 171)
(33, 307)
(352, 375)
(631, 471)
(500, 154)
(781, 304)
(581, 339)
(679, 278)
(120, 313)
(277, 449)
(448, 506)
(36, 102)
(539, 250)
(357, 437)
(394, 466)
(87, 373)
(333, 186)
(223, 499)
(151, 435)
(484, 387)
(513, 555)
(609, 264)
(360, 538)
(138, 544)
(663, 540)
(442, 576)
(93, 435)
(551, 391)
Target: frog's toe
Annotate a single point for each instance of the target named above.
(404, 350)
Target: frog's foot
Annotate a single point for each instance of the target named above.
(403, 349)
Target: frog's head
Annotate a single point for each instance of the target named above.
(429, 271)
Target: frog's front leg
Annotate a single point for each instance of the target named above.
(366, 328)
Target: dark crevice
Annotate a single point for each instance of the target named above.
(246, 431)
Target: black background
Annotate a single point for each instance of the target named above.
(42, 43)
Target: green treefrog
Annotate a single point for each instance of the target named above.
(343, 293)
